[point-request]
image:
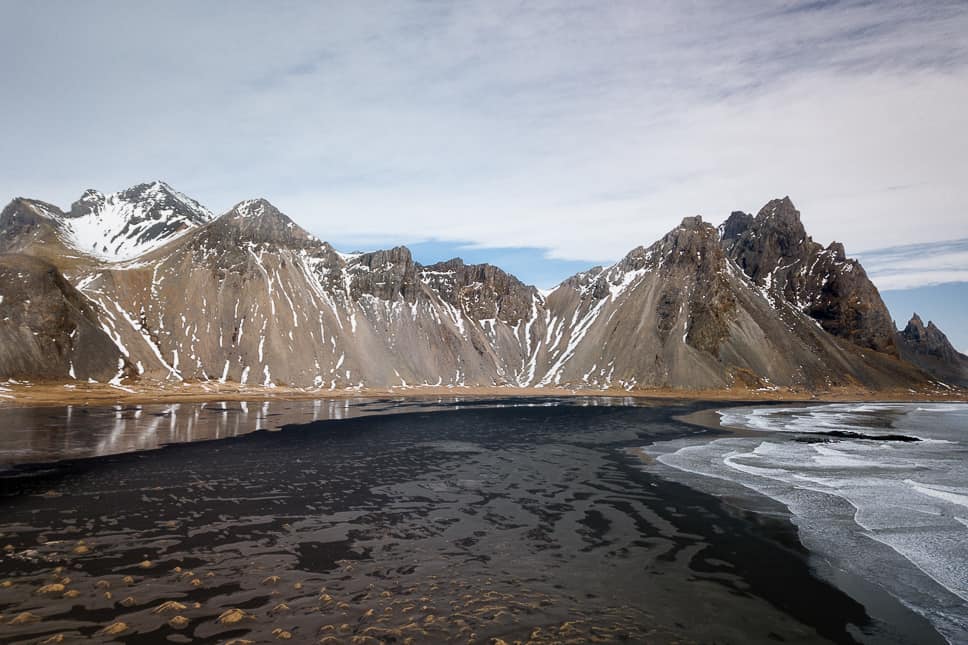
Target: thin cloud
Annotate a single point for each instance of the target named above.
(582, 128)
(917, 265)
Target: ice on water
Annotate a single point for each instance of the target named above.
(851, 498)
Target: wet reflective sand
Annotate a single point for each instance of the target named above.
(47, 434)
(516, 523)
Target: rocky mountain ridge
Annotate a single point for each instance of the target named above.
(250, 297)
(927, 347)
(115, 227)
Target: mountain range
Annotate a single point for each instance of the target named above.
(147, 285)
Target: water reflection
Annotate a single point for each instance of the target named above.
(41, 435)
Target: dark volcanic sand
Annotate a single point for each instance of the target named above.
(516, 523)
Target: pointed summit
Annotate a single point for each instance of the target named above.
(780, 209)
(914, 330)
(258, 207)
(258, 221)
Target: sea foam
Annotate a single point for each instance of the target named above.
(892, 512)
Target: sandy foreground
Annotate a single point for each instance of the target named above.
(519, 524)
(20, 394)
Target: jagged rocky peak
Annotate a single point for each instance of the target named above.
(782, 212)
(774, 237)
(152, 200)
(915, 330)
(774, 250)
(129, 223)
(928, 338)
(927, 347)
(89, 200)
(482, 291)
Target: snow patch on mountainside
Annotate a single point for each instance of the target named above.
(124, 225)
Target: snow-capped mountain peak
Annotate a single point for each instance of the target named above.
(123, 225)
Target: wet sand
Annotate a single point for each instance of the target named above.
(516, 523)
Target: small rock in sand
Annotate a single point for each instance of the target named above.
(232, 616)
(114, 629)
(178, 622)
(24, 619)
(282, 634)
(50, 589)
(169, 606)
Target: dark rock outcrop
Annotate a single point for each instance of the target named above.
(482, 291)
(927, 347)
(775, 251)
(384, 274)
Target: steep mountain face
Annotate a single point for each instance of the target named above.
(682, 314)
(507, 317)
(48, 330)
(775, 251)
(252, 298)
(928, 348)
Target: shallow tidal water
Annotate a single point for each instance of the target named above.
(879, 490)
(522, 520)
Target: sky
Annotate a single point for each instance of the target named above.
(550, 136)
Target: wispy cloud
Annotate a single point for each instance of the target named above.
(584, 128)
(917, 265)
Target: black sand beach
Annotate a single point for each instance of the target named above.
(533, 523)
